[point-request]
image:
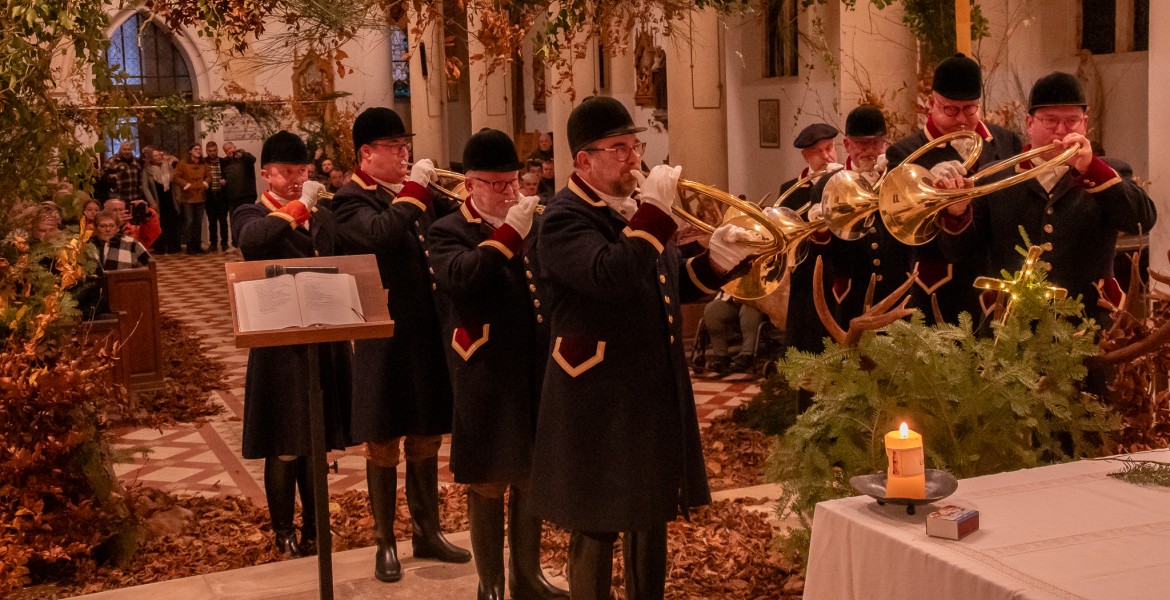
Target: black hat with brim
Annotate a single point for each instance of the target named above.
(958, 78)
(865, 121)
(377, 123)
(491, 150)
(597, 118)
(284, 147)
(1056, 89)
(817, 132)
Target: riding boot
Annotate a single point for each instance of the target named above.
(645, 554)
(383, 485)
(591, 565)
(308, 504)
(526, 579)
(487, 544)
(422, 498)
(280, 487)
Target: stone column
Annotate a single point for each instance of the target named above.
(1159, 125)
(427, 97)
(491, 89)
(696, 103)
(559, 104)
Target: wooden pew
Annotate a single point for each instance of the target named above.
(133, 322)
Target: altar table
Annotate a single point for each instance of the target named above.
(1065, 531)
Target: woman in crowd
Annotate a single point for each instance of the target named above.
(116, 251)
(192, 177)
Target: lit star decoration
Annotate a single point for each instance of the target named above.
(1022, 281)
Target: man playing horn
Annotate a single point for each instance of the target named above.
(1073, 211)
(617, 439)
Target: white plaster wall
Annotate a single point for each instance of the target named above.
(1157, 127)
(698, 132)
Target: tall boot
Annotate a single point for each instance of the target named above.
(280, 487)
(383, 484)
(527, 580)
(308, 506)
(591, 565)
(422, 497)
(645, 553)
(487, 543)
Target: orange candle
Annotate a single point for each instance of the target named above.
(906, 475)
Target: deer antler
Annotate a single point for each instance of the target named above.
(1145, 345)
(879, 315)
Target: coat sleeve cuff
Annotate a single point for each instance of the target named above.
(414, 193)
(954, 225)
(1099, 176)
(652, 225)
(703, 275)
(505, 239)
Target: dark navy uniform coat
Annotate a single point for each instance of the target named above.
(400, 385)
(1077, 224)
(497, 342)
(276, 388)
(950, 280)
(617, 441)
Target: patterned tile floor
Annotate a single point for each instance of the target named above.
(205, 459)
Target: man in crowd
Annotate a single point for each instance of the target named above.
(116, 250)
(617, 443)
(530, 184)
(548, 183)
(239, 170)
(479, 255)
(955, 105)
(124, 174)
(1073, 211)
(401, 384)
(215, 200)
(286, 223)
(337, 178)
(139, 221)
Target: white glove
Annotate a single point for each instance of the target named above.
(725, 248)
(660, 188)
(520, 214)
(423, 172)
(310, 193)
(815, 212)
(833, 166)
(948, 174)
(881, 163)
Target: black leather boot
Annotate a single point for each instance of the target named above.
(526, 579)
(591, 565)
(487, 544)
(422, 497)
(383, 484)
(280, 487)
(645, 554)
(308, 504)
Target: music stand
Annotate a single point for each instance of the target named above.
(378, 324)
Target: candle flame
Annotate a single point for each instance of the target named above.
(904, 431)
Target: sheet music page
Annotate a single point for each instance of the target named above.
(266, 304)
(329, 298)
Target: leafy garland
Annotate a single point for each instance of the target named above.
(983, 405)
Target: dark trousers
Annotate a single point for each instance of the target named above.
(193, 214)
(591, 563)
(171, 222)
(217, 220)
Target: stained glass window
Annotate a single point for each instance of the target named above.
(399, 63)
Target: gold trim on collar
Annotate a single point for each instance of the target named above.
(467, 214)
(576, 189)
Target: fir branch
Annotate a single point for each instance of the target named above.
(1142, 472)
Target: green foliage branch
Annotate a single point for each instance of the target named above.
(983, 404)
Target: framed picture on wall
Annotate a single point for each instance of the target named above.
(770, 123)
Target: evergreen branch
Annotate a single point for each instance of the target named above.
(1142, 472)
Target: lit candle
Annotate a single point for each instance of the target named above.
(907, 471)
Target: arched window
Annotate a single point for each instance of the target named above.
(152, 66)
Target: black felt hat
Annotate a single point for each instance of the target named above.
(491, 150)
(865, 121)
(958, 78)
(377, 123)
(596, 118)
(1056, 89)
(284, 147)
(814, 133)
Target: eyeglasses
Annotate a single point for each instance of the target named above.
(500, 187)
(395, 146)
(1070, 123)
(622, 153)
(951, 110)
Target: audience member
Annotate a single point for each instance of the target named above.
(124, 173)
(138, 220)
(548, 183)
(337, 178)
(544, 147)
(530, 184)
(89, 210)
(192, 177)
(239, 169)
(156, 182)
(721, 316)
(214, 200)
(115, 250)
(325, 171)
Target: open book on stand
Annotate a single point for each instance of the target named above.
(300, 300)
